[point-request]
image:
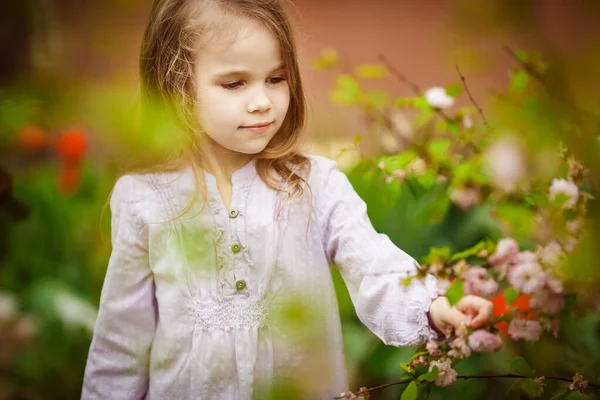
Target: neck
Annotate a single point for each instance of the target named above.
(222, 162)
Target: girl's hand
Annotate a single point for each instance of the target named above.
(471, 311)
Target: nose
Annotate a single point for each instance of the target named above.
(259, 102)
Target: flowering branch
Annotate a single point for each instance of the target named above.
(362, 391)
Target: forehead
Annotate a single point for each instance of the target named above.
(248, 44)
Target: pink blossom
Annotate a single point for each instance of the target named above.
(433, 348)
(460, 348)
(527, 276)
(505, 251)
(524, 329)
(446, 375)
(569, 188)
(477, 280)
(547, 302)
(551, 325)
(553, 284)
(465, 197)
(505, 164)
(484, 341)
(574, 226)
(551, 254)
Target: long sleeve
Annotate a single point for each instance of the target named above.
(117, 365)
(371, 265)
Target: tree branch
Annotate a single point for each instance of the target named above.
(510, 376)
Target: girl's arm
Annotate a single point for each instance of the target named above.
(117, 365)
(371, 265)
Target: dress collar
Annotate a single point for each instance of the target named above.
(242, 174)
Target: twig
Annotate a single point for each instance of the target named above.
(464, 81)
(403, 79)
(513, 376)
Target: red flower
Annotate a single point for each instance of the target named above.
(501, 308)
(71, 145)
(31, 138)
(69, 178)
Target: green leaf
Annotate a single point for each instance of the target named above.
(454, 90)
(403, 101)
(519, 218)
(453, 127)
(357, 139)
(561, 394)
(372, 71)
(468, 110)
(514, 390)
(469, 252)
(530, 387)
(511, 294)
(419, 354)
(520, 366)
(423, 118)
(329, 58)
(438, 255)
(522, 56)
(438, 149)
(375, 99)
(434, 209)
(455, 292)
(421, 104)
(578, 396)
(348, 91)
(410, 393)
(429, 376)
(519, 81)
(399, 161)
(404, 366)
(427, 180)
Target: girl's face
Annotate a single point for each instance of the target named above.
(242, 83)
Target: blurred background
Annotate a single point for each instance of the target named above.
(68, 95)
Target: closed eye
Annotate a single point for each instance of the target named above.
(232, 85)
(276, 79)
(237, 84)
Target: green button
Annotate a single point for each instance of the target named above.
(240, 285)
(236, 248)
(233, 213)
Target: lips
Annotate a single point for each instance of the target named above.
(259, 125)
(258, 128)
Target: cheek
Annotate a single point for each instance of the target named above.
(214, 108)
(282, 100)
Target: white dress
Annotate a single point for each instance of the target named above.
(221, 303)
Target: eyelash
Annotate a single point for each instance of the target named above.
(237, 84)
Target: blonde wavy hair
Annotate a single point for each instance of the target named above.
(177, 30)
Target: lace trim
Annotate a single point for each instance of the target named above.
(229, 314)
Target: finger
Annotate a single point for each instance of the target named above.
(479, 308)
(455, 319)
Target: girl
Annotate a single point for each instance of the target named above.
(218, 286)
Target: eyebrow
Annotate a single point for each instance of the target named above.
(242, 72)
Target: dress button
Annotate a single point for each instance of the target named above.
(240, 285)
(236, 247)
(233, 213)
